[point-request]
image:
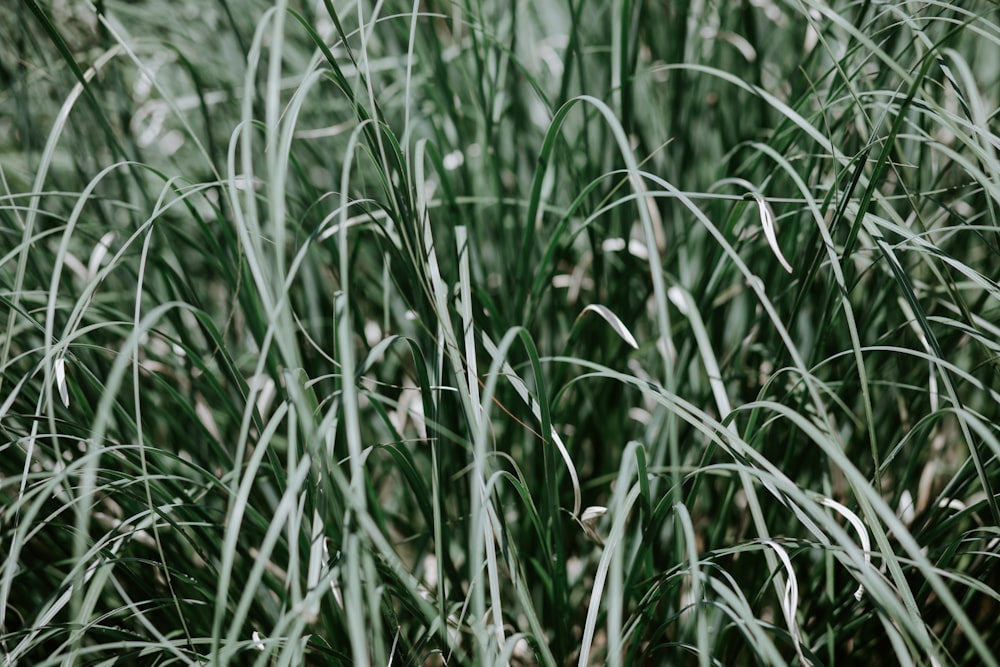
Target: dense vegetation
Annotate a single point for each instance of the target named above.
(569, 332)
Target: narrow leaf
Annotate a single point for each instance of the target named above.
(614, 321)
(767, 223)
(60, 369)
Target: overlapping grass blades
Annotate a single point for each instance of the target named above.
(298, 363)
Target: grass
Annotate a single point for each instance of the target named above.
(482, 333)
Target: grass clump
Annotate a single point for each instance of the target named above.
(476, 333)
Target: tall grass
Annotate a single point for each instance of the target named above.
(500, 333)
